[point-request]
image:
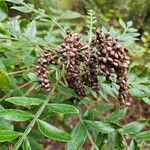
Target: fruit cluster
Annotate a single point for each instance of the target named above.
(47, 57)
(70, 53)
(103, 56)
(111, 57)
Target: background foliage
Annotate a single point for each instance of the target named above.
(31, 119)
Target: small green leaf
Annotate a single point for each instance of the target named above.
(101, 138)
(35, 145)
(118, 141)
(5, 125)
(32, 76)
(134, 127)
(24, 101)
(7, 135)
(101, 79)
(4, 79)
(117, 114)
(132, 30)
(3, 10)
(129, 24)
(66, 91)
(143, 135)
(101, 126)
(62, 108)
(52, 132)
(22, 9)
(30, 31)
(26, 145)
(103, 106)
(121, 22)
(58, 74)
(134, 145)
(79, 134)
(146, 100)
(15, 1)
(15, 27)
(15, 115)
(70, 15)
(105, 146)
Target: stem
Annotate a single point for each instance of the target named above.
(37, 115)
(89, 136)
(17, 72)
(92, 142)
(44, 15)
(30, 89)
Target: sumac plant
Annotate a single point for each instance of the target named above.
(76, 89)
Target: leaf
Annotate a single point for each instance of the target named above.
(7, 135)
(104, 29)
(15, 1)
(62, 108)
(88, 115)
(22, 9)
(105, 146)
(101, 138)
(15, 115)
(5, 125)
(129, 24)
(24, 101)
(3, 10)
(28, 59)
(30, 31)
(101, 79)
(117, 114)
(70, 15)
(52, 132)
(58, 74)
(132, 30)
(134, 145)
(134, 127)
(121, 22)
(15, 27)
(118, 141)
(26, 145)
(113, 32)
(101, 126)
(103, 106)
(4, 79)
(66, 91)
(79, 135)
(32, 76)
(146, 100)
(34, 144)
(143, 135)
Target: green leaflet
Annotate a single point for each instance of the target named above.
(15, 115)
(134, 127)
(116, 115)
(79, 134)
(4, 79)
(7, 135)
(24, 101)
(5, 125)
(62, 108)
(52, 132)
(143, 135)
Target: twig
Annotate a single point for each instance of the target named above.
(37, 115)
(92, 142)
